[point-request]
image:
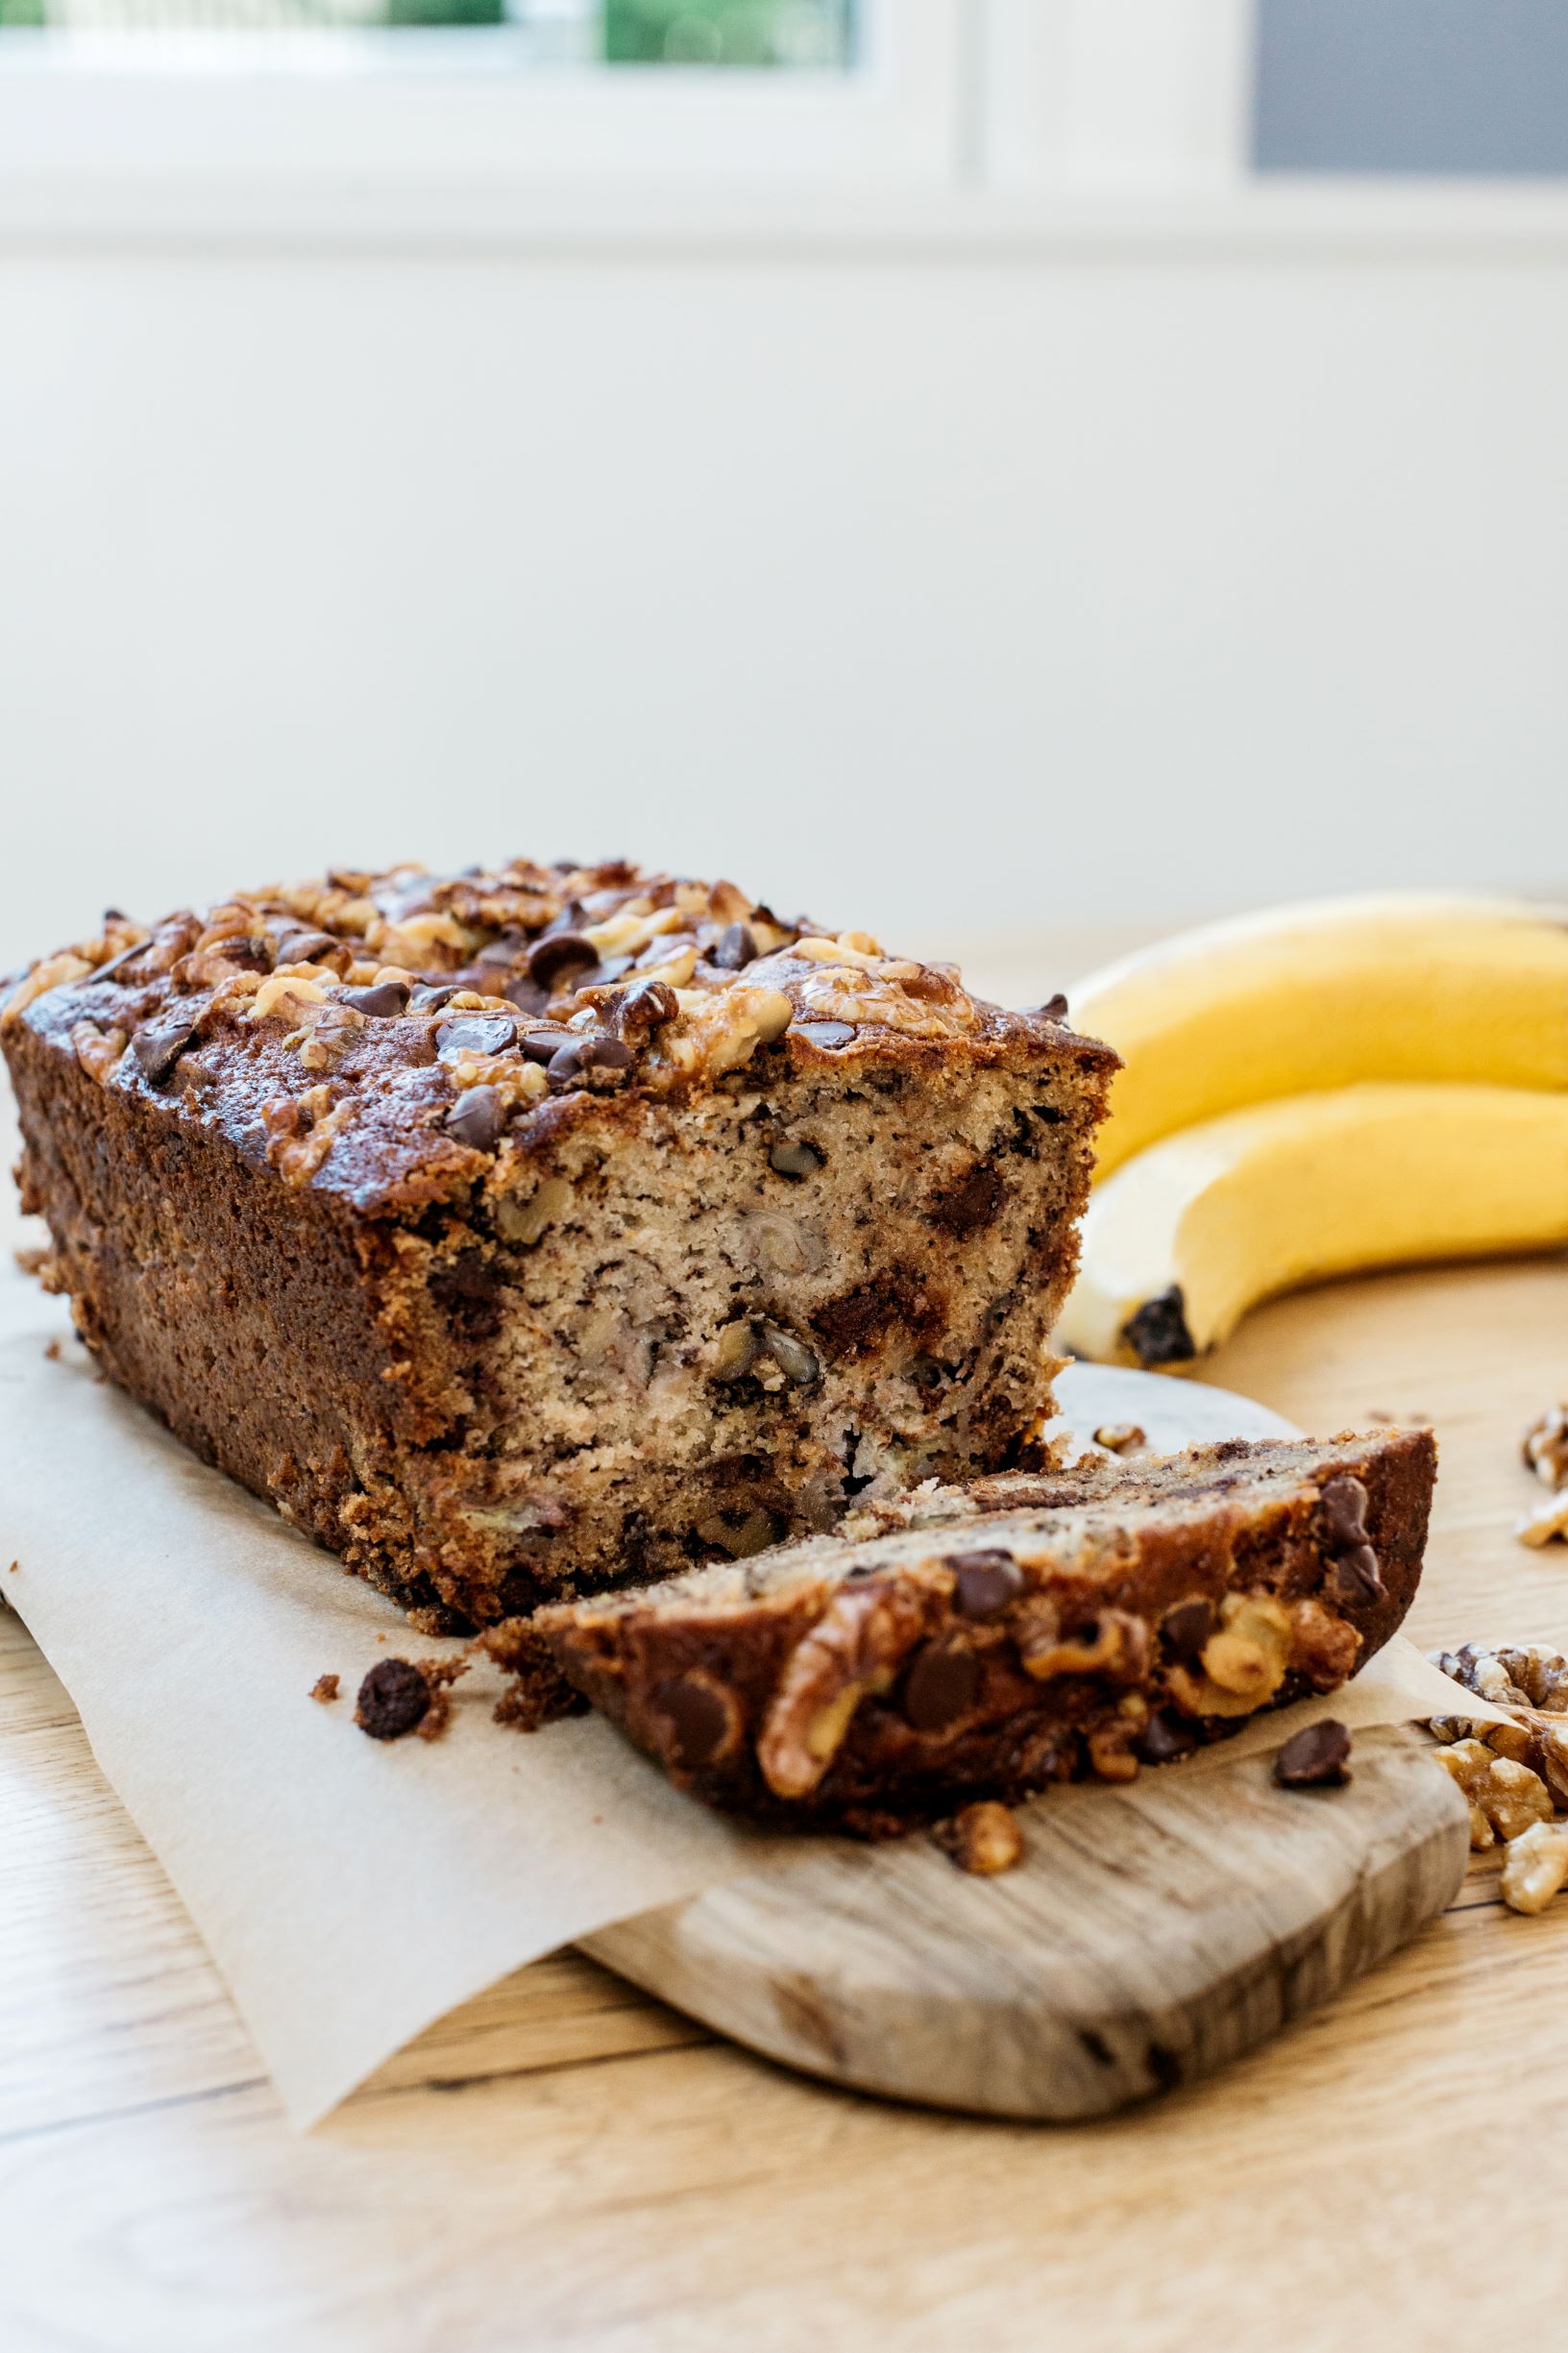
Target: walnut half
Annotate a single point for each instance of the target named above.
(854, 1647)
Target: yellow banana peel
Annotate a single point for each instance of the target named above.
(1401, 986)
(1180, 1240)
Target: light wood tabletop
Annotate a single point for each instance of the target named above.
(565, 2163)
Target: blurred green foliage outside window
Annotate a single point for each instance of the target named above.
(768, 34)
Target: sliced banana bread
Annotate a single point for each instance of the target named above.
(1025, 1630)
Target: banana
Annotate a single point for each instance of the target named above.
(1182, 1240)
(1326, 994)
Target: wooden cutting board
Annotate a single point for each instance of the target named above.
(1148, 1936)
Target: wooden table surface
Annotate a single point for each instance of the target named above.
(565, 2163)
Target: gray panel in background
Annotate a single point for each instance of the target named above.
(1411, 85)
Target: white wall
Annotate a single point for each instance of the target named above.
(940, 594)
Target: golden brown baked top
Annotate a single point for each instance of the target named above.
(372, 1034)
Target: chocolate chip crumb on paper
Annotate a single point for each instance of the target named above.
(1316, 1757)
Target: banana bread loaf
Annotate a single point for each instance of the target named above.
(1025, 1630)
(521, 1232)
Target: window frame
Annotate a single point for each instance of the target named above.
(444, 110)
(967, 126)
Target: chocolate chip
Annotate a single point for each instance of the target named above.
(542, 1041)
(470, 1290)
(733, 949)
(642, 1009)
(556, 954)
(600, 1052)
(701, 1718)
(1185, 1628)
(253, 953)
(477, 1117)
(1157, 1333)
(476, 1033)
(1315, 1758)
(159, 1045)
(506, 949)
(432, 999)
(941, 1686)
(973, 1203)
(825, 1033)
(594, 1051)
(1164, 1737)
(393, 1698)
(1054, 1008)
(306, 946)
(115, 964)
(791, 1157)
(1343, 1504)
(985, 1583)
(525, 993)
(1357, 1576)
(386, 999)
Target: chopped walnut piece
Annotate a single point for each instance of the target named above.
(1242, 1663)
(97, 1050)
(853, 1648)
(286, 993)
(1505, 1795)
(1546, 1446)
(1547, 1520)
(1513, 1674)
(51, 973)
(1121, 1437)
(1111, 1642)
(983, 1839)
(1323, 1646)
(1531, 1680)
(1534, 1866)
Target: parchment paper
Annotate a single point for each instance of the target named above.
(351, 1891)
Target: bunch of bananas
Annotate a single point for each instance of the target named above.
(1344, 1084)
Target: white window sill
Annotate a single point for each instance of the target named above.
(502, 212)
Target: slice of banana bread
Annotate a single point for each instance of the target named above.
(520, 1233)
(1023, 1630)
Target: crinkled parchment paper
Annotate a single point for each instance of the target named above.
(351, 1891)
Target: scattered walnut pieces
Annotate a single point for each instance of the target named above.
(1547, 1521)
(1534, 1866)
(983, 1839)
(1545, 1451)
(325, 1688)
(1513, 1773)
(1505, 1796)
(1545, 1446)
(1513, 1674)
